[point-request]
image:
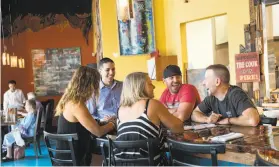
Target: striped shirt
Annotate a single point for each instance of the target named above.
(140, 129)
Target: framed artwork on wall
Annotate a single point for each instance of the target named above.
(135, 27)
(53, 69)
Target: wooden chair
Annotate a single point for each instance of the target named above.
(108, 148)
(36, 138)
(193, 148)
(48, 115)
(69, 138)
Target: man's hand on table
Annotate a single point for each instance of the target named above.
(213, 118)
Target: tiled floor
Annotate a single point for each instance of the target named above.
(30, 158)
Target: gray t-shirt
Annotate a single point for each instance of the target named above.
(235, 102)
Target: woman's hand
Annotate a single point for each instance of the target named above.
(108, 118)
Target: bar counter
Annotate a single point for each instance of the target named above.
(262, 139)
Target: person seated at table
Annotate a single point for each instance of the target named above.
(39, 106)
(226, 104)
(110, 90)
(74, 116)
(25, 128)
(140, 116)
(13, 98)
(180, 99)
(31, 95)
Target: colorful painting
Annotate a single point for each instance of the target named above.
(53, 69)
(135, 27)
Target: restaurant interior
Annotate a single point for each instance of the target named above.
(45, 43)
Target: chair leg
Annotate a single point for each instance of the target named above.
(35, 149)
(214, 158)
(39, 147)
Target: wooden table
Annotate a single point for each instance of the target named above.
(242, 150)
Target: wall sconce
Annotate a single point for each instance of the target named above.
(124, 10)
(13, 61)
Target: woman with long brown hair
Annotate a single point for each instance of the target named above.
(74, 116)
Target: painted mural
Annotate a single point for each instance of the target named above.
(53, 69)
(135, 27)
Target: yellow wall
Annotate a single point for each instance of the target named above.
(177, 13)
(170, 17)
(128, 64)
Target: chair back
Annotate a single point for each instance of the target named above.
(268, 120)
(38, 123)
(261, 162)
(48, 115)
(69, 138)
(108, 148)
(105, 150)
(195, 148)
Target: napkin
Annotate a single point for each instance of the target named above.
(226, 137)
(198, 127)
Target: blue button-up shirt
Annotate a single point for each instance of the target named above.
(108, 102)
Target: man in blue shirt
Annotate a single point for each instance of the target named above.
(110, 90)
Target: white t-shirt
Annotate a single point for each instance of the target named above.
(14, 99)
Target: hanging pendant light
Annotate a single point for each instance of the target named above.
(8, 58)
(13, 61)
(5, 57)
(21, 63)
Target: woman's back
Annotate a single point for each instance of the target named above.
(137, 126)
(80, 146)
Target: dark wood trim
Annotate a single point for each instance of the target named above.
(276, 38)
(271, 2)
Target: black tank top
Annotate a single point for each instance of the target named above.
(81, 146)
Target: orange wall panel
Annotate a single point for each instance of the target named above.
(60, 36)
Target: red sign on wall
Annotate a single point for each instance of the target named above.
(247, 67)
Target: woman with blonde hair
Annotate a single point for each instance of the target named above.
(140, 116)
(74, 116)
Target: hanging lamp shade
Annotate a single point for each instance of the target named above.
(8, 58)
(19, 63)
(4, 58)
(23, 63)
(13, 61)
